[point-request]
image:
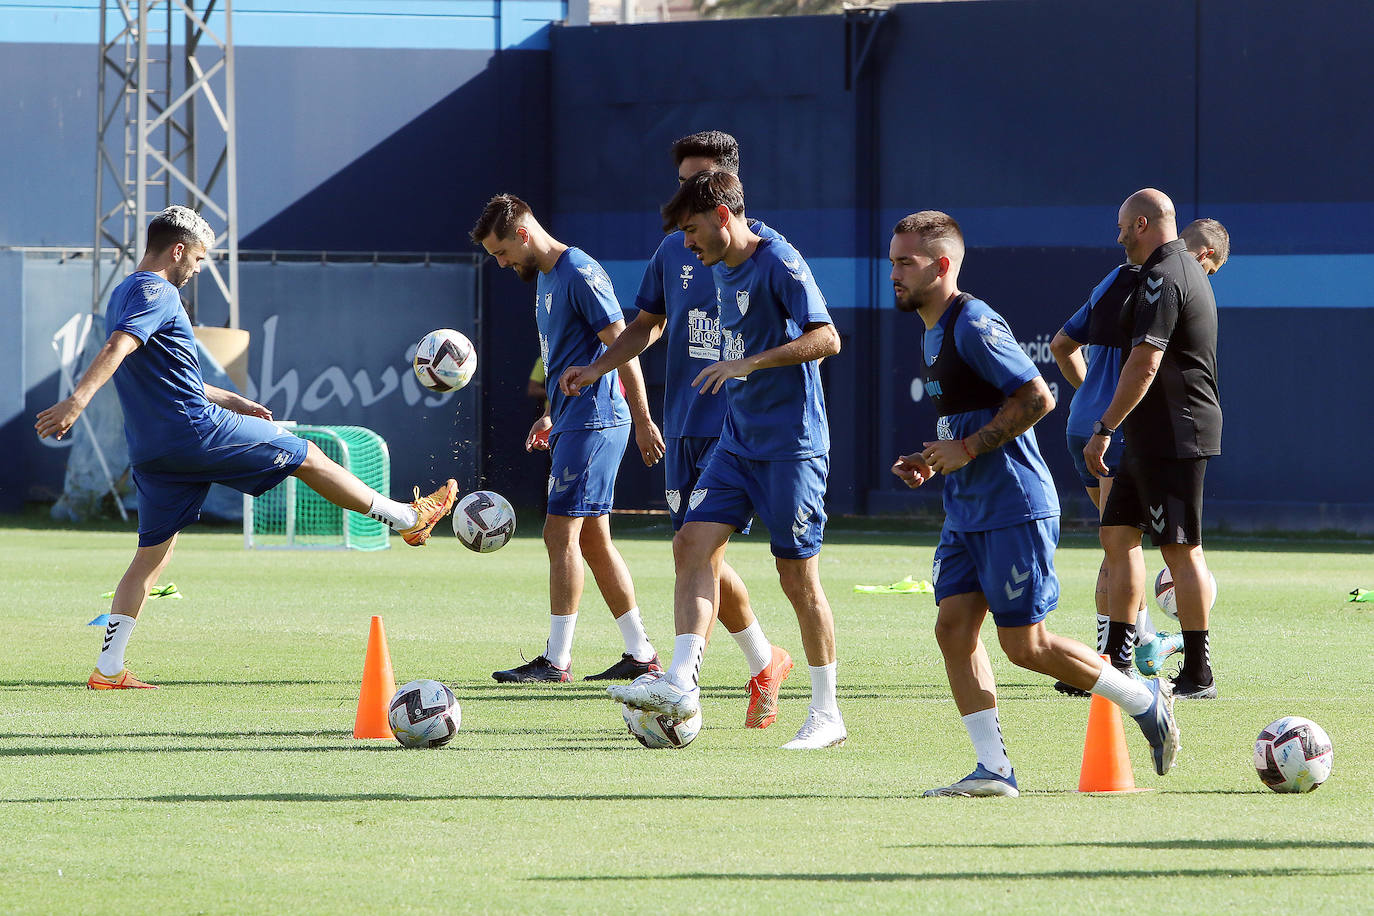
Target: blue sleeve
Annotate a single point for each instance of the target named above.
(147, 309)
(987, 344)
(650, 297)
(593, 296)
(798, 292)
(1076, 328)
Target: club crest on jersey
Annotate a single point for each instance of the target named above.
(935, 572)
(686, 276)
(742, 300)
(943, 429)
(697, 496)
(674, 498)
(548, 302)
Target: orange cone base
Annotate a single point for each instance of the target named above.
(379, 685)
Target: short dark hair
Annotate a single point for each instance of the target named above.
(1210, 234)
(179, 224)
(718, 146)
(501, 215)
(933, 226)
(702, 193)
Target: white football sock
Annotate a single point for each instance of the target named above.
(1103, 621)
(117, 633)
(559, 648)
(758, 651)
(685, 671)
(985, 730)
(823, 688)
(1123, 690)
(1144, 627)
(636, 640)
(389, 512)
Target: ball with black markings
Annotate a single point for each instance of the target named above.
(424, 713)
(1293, 754)
(445, 360)
(484, 521)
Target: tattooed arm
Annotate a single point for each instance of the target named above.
(1019, 412)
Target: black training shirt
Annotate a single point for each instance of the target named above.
(1173, 310)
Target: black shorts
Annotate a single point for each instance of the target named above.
(1160, 496)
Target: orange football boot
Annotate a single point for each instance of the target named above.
(124, 680)
(429, 510)
(763, 690)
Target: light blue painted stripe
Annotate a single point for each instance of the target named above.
(835, 277)
(422, 24)
(1340, 281)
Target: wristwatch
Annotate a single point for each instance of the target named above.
(1102, 429)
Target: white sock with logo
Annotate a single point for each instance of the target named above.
(396, 515)
(559, 647)
(636, 640)
(117, 633)
(758, 651)
(685, 671)
(985, 730)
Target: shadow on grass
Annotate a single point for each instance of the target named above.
(407, 797)
(81, 685)
(1181, 845)
(1110, 873)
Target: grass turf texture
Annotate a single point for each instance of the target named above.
(237, 787)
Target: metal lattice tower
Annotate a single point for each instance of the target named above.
(150, 146)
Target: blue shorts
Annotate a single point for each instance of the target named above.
(788, 495)
(1112, 459)
(584, 463)
(683, 461)
(1013, 567)
(249, 454)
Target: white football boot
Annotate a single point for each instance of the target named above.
(821, 729)
(655, 693)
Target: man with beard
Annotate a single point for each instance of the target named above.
(1001, 528)
(185, 435)
(578, 316)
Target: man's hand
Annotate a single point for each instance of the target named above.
(575, 378)
(239, 404)
(710, 379)
(650, 442)
(1094, 452)
(539, 435)
(58, 419)
(912, 469)
(946, 456)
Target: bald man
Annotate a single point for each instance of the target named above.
(1167, 402)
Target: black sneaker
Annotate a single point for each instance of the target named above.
(540, 669)
(1185, 688)
(627, 669)
(1070, 690)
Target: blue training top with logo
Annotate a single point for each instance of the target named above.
(1011, 484)
(160, 386)
(572, 303)
(1103, 366)
(773, 414)
(676, 286)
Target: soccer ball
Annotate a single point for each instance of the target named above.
(655, 730)
(445, 360)
(1164, 593)
(484, 521)
(1293, 755)
(424, 714)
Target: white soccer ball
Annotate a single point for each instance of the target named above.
(1293, 755)
(1164, 593)
(655, 730)
(445, 360)
(424, 714)
(484, 521)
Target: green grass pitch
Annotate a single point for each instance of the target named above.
(237, 787)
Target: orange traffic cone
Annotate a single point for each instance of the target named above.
(1106, 763)
(379, 684)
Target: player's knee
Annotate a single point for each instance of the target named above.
(690, 549)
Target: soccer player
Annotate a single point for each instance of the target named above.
(184, 435)
(773, 454)
(1167, 399)
(577, 314)
(996, 551)
(1096, 324)
(677, 301)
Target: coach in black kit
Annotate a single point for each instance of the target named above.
(1167, 399)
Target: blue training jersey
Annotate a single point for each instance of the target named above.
(574, 301)
(1103, 366)
(1011, 484)
(779, 413)
(160, 386)
(676, 286)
